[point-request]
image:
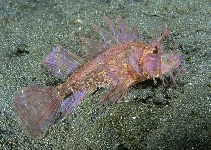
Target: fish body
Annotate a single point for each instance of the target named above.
(110, 69)
(121, 62)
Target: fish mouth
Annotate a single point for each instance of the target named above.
(171, 62)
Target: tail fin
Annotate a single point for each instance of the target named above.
(36, 108)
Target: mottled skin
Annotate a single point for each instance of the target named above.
(110, 69)
(121, 62)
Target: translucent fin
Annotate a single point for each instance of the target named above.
(108, 39)
(36, 108)
(133, 35)
(118, 33)
(61, 62)
(123, 28)
(113, 28)
(73, 101)
(95, 47)
(116, 94)
(126, 35)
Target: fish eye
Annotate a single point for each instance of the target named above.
(155, 51)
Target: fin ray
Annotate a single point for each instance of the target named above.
(36, 108)
(115, 94)
(73, 101)
(62, 62)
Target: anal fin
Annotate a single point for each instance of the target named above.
(73, 101)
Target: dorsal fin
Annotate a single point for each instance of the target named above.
(62, 62)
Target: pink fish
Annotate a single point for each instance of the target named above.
(118, 62)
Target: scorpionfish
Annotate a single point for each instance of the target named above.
(117, 62)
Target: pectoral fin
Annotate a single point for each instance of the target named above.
(115, 94)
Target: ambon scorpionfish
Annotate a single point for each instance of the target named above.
(118, 62)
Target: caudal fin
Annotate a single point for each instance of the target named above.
(36, 108)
